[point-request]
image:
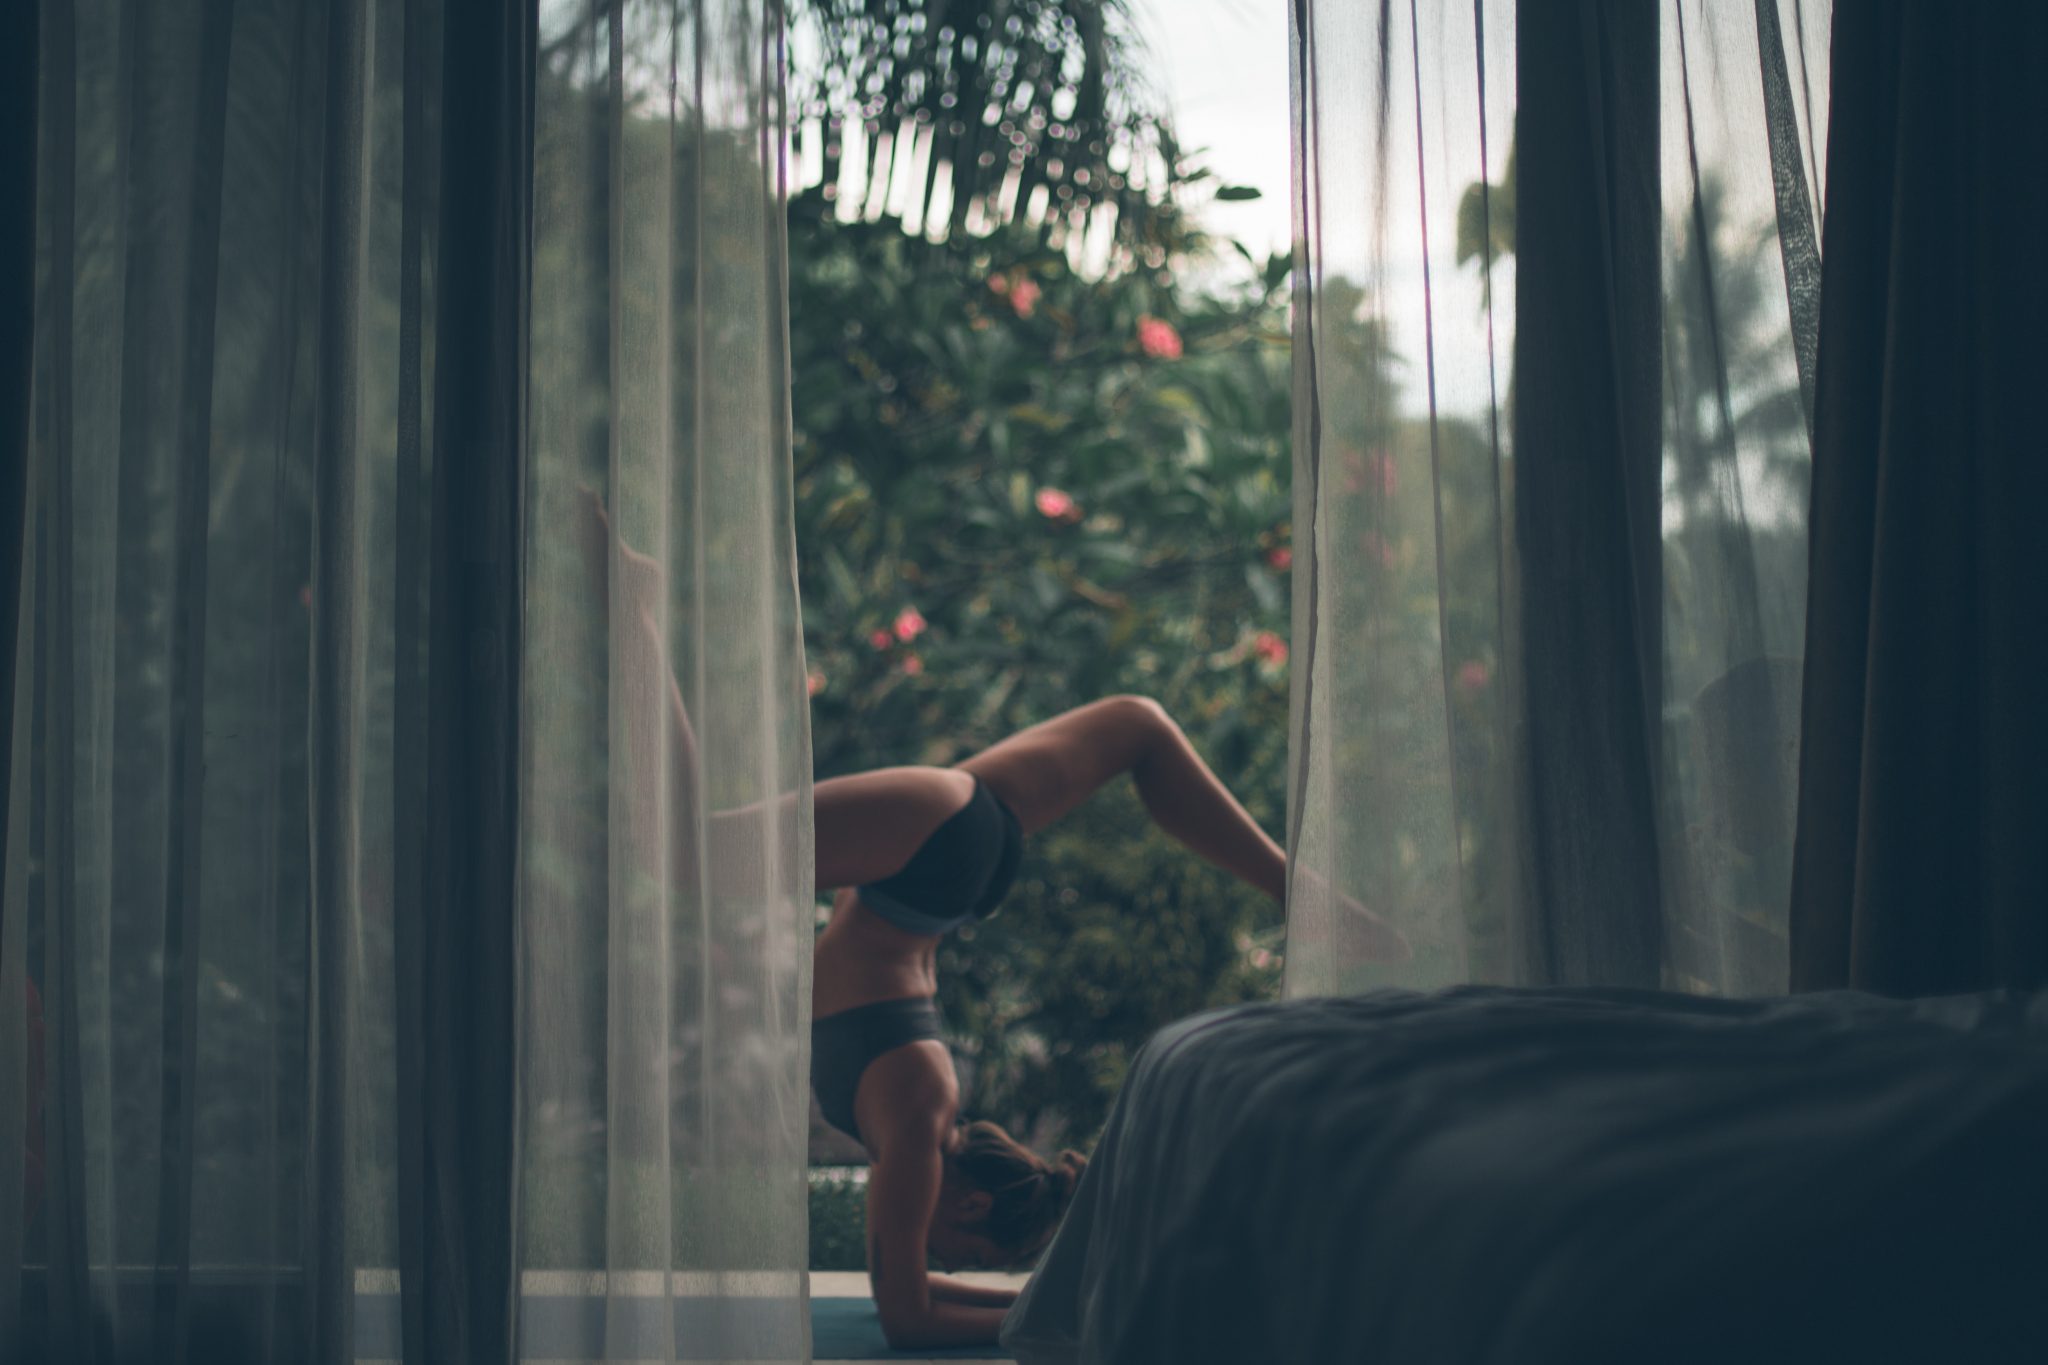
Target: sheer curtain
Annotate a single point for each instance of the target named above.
(412, 764)
(1555, 313)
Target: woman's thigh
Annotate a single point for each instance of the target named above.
(869, 824)
(1045, 771)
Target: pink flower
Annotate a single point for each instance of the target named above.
(1281, 558)
(1380, 473)
(1375, 471)
(1051, 502)
(881, 639)
(909, 624)
(999, 284)
(913, 665)
(1261, 959)
(1157, 338)
(1473, 674)
(814, 683)
(1023, 296)
(1269, 647)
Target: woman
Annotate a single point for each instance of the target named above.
(914, 853)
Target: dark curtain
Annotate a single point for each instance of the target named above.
(1588, 439)
(420, 941)
(1921, 863)
(246, 276)
(20, 1159)
(458, 1095)
(17, 334)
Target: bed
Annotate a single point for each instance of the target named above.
(1495, 1175)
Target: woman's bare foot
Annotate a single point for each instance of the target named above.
(1356, 933)
(1363, 936)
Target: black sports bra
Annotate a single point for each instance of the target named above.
(961, 873)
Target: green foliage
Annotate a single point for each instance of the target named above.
(1486, 218)
(838, 1222)
(1019, 489)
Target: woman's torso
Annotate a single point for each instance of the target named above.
(875, 975)
(882, 940)
(861, 958)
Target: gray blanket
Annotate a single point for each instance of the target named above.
(1491, 1175)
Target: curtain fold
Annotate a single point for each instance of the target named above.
(1920, 869)
(409, 829)
(1588, 309)
(1555, 314)
(459, 1129)
(20, 1176)
(18, 79)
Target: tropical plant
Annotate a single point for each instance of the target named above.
(1019, 488)
(1030, 111)
(1486, 219)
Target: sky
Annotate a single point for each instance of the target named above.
(1222, 65)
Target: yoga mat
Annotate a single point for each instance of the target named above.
(847, 1329)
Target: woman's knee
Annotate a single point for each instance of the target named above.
(1143, 714)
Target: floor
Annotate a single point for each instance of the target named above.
(564, 1313)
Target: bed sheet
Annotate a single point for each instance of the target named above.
(1496, 1175)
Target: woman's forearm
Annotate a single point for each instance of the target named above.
(946, 1289)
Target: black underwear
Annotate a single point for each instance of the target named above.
(844, 1044)
(960, 873)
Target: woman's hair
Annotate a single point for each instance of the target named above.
(1029, 1194)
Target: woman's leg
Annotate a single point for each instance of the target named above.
(868, 825)
(1045, 771)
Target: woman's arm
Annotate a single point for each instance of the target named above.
(903, 1190)
(946, 1289)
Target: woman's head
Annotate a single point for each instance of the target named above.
(1000, 1201)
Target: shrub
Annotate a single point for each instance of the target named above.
(838, 1220)
(1020, 488)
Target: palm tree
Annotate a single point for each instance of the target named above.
(1486, 219)
(1724, 355)
(1026, 110)
(1048, 94)
(1728, 379)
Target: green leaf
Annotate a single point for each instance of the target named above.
(1046, 588)
(845, 587)
(1265, 588)
(1037, 416)
(1231, 193)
